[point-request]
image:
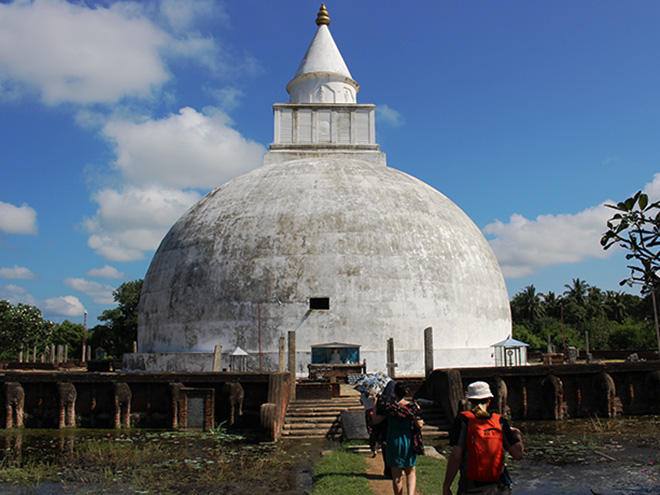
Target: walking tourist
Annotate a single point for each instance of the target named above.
(403, 434)
(479, 439)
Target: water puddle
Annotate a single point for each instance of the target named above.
(605, 457)
(589, 456)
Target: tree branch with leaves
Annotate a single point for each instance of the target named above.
(636, 228)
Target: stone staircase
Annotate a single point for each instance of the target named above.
(321, 418)
(318, 418)
(436, 423)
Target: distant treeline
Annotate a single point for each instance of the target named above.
(612, 320)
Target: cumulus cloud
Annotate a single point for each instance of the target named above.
(522, 245)
(101, 293)
(71, 53)
(17, 219)
(63, 306)
(17, 273)
(389, 116)
(132, 220)
(68, 306)
(16, 294)
(106, 272)
(653, 188)
(186, 150)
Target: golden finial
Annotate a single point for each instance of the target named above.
(322, 17)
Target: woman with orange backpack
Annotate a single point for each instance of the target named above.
(479, 439)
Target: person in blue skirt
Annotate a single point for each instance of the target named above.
(403, 438)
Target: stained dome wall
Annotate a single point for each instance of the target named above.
(392, 254)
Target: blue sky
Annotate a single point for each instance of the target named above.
(115, 117)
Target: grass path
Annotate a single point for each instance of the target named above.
(359, 474)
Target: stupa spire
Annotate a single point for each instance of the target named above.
(323, 76)
(322, 17)
(322, 115)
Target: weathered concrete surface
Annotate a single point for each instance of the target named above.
(392, 254)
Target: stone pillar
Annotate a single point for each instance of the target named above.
(14, 404)
(428, 351)
(282, 354)
(123, 397)
(20, 354)
(217, 358)
(391, 365)
(60, 353)
(51, 355)
(67, 395)
(292, 362)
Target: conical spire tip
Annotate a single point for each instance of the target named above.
(322, 18)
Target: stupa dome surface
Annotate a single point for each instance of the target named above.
(324, 220)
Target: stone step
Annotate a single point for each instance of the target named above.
(308, 425)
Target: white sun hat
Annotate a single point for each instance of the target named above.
(478, 390)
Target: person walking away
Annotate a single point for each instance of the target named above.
(479, 439)
(403, 418)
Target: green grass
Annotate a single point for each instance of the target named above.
(431, 475)
(341, 472)
(344, 472)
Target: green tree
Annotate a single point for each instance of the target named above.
(69, 334)
(552, 304)
(536, 342)
(577, 291)
(636, 228)
(119, 331)
(22, 325)
(526, 307)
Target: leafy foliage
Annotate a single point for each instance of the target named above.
(22, 325)
(71, 335)
(636, 228)
(119, 332)
(613, 320)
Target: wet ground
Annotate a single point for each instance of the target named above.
(619, 456)
(594, 456)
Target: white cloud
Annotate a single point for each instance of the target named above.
(16, 294)
(106, 272)
(653, 188)
(389, 116)
(17, 219)
(181, 16)
(56, 306)
(111, 249)
(161, 163)
(72, 53)
(63, 306)
(17, 273)
(523, 245)
(187, 150)
(101, 293)
(134, 220)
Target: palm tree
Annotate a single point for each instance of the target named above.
(552, 304)
(577, 291)
(614, 306)
(526, 306)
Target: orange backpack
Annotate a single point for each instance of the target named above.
(485, 447)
